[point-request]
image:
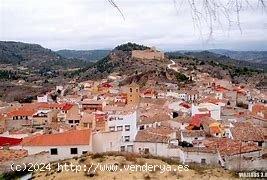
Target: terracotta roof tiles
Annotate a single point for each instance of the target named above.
(247, 131)
(73, 137)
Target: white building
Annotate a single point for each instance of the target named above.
(61, 145)
(191, 136)
(180, 106)
(107, 141)
(43, 98)
(198, 155)
(126, 122)
(207, 108)
(154, 141)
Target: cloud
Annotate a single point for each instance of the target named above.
(92, 24)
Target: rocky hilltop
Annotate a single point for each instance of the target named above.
(122, 61)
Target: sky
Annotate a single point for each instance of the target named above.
(96, 24)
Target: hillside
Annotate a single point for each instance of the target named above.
(33, 56)
(223, 59)
(85, 55)
(220, 66)
(251, 56)
(164, 168)
(34, 66)
(27, 70)
(121, 62)
(18, 52)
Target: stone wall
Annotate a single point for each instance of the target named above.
(148, 54)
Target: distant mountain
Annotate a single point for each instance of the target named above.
(252, 56)
(33, 56)
(85, 55)
(16, 52)
(223, 59)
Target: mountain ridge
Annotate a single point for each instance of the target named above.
(85, 55)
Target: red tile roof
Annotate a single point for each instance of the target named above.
(158, 117)
(221, 89)
(193, 133)
(23, 111)
(214, 100)
(73, 137)
(231, 147)
(196, 119)
(215, 129)
(159, 134)
(67, 106)
(185, 105)
(247, 131)
(7, 141)
(31, 108)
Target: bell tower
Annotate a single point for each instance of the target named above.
(133, 94)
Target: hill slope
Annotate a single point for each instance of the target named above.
(120, 61)
(251, 56)
(223, 59)
(33, 56)
(118, 168)
(16, 52)
(38, 68)
(85, 55)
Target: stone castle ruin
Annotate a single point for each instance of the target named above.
(151, 53)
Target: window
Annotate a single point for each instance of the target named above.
(73, 150)
(77, 121)
(126, 138)
(203, 161)
(53, 151)
(112, 118)
(146, 150)
(130, 148)
(70, 121)
(90, 125)
(131, 90)
(141, 127)
(112, 128)
(122, 148)
(85, 124)
(136, 90)
(127, 127)
(119, 128)
(84, 152)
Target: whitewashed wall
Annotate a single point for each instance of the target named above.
(156, 149)
(106, 141)
(63, 151)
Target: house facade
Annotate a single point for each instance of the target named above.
(61, 145)
(126, 123)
